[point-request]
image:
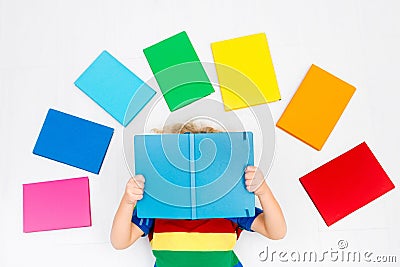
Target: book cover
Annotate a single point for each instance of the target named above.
(346, 183)
(316, 107)
(73, 141)
(115, 88)
(54, 205)
(245, 70)
(178, 71)
(194, 176)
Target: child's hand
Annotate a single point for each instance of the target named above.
(134, 189)
(255, 180)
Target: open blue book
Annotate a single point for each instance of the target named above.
(194, 176)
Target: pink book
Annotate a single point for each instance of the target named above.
(56, 205)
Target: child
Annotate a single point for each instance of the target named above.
(202, 242)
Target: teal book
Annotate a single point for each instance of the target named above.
(115, 88)
(194, 176)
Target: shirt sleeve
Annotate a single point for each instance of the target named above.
(145, 224)
(246, 222)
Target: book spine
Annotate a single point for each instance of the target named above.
(192, 176)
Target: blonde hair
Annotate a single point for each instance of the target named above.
(191, 127)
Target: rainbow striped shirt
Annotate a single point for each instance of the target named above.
(194, 243)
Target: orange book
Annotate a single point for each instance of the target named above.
(316, 107)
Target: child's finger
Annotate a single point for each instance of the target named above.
(139, 185)
(136, 191)
(248, 182)
(133, 197)
(250, 169)
(139, 197)
(249, 175)
(250, 188)
(139, 178)
(133, 184)
(137, 181)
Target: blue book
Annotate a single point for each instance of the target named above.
(115, 88)
(73, 141)
(194, 176)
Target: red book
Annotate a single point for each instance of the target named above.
(346, 183)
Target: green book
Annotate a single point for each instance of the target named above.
(178, 71)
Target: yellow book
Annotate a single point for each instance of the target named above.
(316, 107)
(245, 71)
